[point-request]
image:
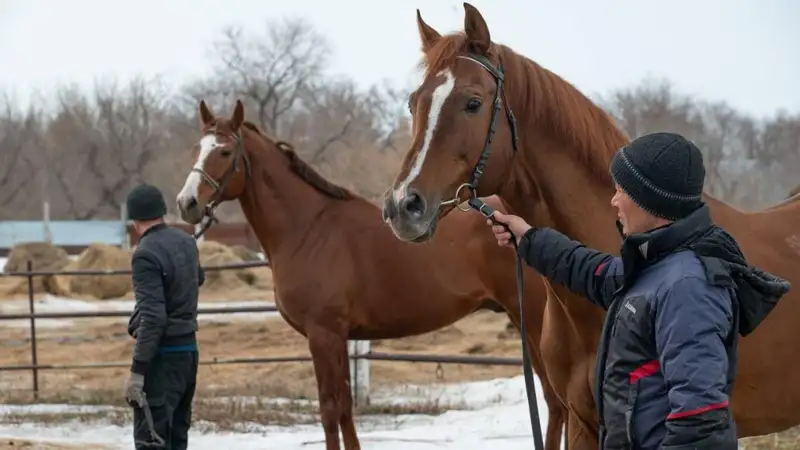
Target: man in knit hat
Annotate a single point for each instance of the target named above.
(676, 298)
(166, 280)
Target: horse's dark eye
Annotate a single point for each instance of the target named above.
(225, 152)
(473, 105)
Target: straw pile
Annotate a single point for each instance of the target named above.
(98, 256)
(216, 254)
(44, 257)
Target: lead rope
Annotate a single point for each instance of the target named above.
(527, 368)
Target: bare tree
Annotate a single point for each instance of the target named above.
(269, 71)
(654, 105)
(17, 153)
(103, 146)
(723, 149)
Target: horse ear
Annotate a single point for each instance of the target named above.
(427, 34)
(238, 115)
(206, 117)
(476, 29)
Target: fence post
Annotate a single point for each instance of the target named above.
(359, 371)
(32, 309)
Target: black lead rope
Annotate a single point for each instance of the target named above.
(476, 203)
(530, 388)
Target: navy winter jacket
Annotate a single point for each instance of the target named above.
(667, 356)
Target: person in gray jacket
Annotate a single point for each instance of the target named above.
(166, 280)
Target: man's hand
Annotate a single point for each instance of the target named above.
(134, 389)
(516, 224)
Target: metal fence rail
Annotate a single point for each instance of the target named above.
(32, 316)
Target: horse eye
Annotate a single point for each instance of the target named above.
(225, 152)
(473, 105)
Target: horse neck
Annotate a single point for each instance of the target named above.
(280, 206)
(575, 190)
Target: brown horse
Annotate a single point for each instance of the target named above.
(340, 274)
(561, 158)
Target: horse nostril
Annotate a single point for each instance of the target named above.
(414, 205)
(192, 203)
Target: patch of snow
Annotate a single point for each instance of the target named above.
(51, 303)
(499, 420)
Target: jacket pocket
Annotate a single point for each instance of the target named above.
(630, 409)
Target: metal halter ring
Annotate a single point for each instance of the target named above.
(456, 200)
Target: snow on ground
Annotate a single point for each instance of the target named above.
(498, 417)
(51, 303)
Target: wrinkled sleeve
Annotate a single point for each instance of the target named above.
(692, 323)
(587, 272)
(148, 288)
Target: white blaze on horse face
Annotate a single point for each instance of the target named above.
(438, 99)
(193, 181)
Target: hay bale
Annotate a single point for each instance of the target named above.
(44, 256)
(216, 254)
(99, 256)
(262, 275)
(245, 253)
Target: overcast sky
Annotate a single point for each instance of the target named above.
(743, 52)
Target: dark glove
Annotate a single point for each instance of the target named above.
(134, 390)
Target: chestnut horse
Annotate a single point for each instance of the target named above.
(340, 274)
(478, 96)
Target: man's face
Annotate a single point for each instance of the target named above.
(633, 218)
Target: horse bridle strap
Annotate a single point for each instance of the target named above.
(220, 186)
(499, 102)
(474, 202)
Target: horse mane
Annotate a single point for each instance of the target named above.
(302, 168)
(550, 103)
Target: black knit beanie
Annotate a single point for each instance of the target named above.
(663, 173)
(145, 202)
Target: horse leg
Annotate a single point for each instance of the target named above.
(580, 436)
(346, 421)
(556, 412)
(556, 417)
(582, 425)
(326, 347)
